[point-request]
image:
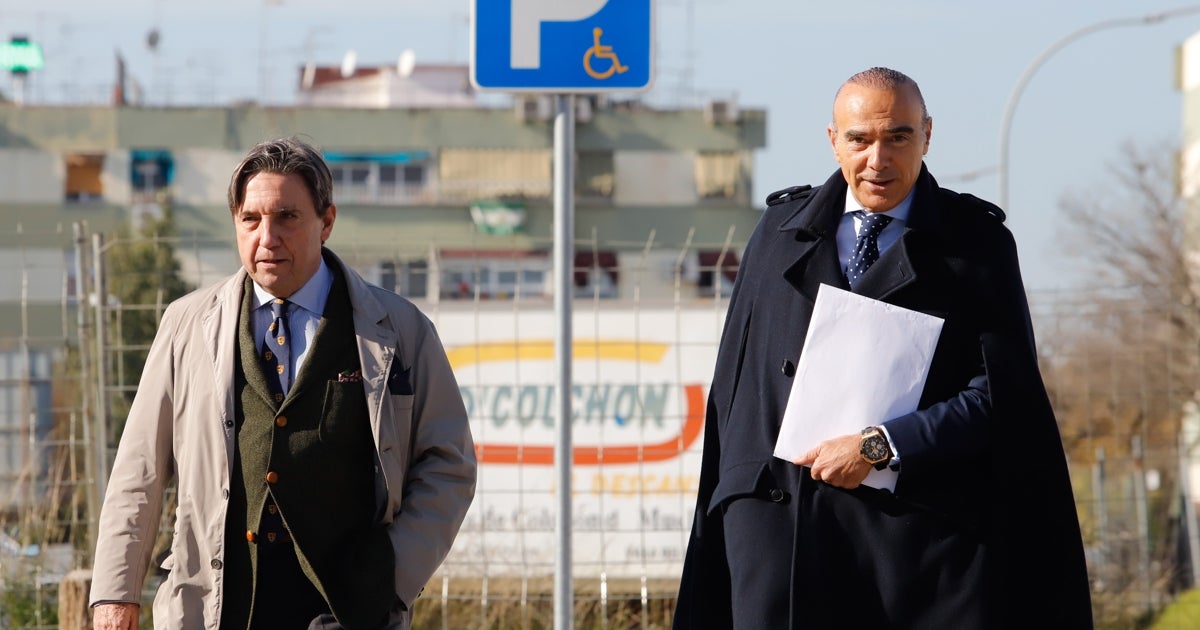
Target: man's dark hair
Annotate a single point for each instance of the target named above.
(880, 78)
(284, 156)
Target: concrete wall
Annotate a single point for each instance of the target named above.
(202, 175)
(31, 175)
(24, 408)
(654, 178)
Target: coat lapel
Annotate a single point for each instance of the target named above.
(220, 333)
(892, 272)
(249, 343)
(895, 269)
(377, 339)
(815, 224)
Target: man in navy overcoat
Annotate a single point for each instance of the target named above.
(981, 531)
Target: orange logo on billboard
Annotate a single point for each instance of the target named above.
(501, 453)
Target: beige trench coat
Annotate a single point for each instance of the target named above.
(181, 422)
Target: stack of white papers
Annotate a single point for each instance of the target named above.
(864, 362)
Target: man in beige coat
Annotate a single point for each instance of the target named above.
(313, 427)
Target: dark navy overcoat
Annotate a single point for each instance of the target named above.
(981, 531)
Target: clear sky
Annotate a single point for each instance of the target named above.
(1107, 89)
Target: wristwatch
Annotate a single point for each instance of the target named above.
(874, 448)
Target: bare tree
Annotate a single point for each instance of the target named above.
(1140, 308)
(1124, 368)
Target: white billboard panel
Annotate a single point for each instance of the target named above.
(640, 384)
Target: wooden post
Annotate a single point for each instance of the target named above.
(73, 610)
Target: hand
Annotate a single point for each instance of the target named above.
(115, 616)
(837, 462)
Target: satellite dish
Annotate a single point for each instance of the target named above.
(349, 64)
(408, 61)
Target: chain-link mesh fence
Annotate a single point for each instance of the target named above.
(80, 311)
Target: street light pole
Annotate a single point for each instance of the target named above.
(1019, 88)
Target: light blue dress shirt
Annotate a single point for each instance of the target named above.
(847, 237)
(303, 316)
(847, 234)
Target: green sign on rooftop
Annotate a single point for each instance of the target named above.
(21, 55)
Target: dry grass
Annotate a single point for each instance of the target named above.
(513, 603)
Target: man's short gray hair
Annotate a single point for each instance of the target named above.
(880, 78)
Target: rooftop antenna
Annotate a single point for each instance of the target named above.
(153, 40)
(349, 63)
(264, 72)
(406, 64)
(310, 75)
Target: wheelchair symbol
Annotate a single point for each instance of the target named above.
(601, 52)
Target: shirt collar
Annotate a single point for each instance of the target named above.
(310, 297)
(900, 212)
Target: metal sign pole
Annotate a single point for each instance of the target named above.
(564, 278)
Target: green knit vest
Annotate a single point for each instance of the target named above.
(324, 458)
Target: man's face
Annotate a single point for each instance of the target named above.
(879, 138)
(279, 234)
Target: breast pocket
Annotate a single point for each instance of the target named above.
(402, 415)
(396, 443)
(343, 412)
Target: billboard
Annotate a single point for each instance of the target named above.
(639, 394)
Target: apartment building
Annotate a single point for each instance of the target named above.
(440, 197)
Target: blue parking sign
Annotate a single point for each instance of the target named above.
(562, 46)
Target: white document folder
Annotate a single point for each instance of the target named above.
(864, 362)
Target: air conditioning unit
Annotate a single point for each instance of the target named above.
(531, 108)
(721, 112)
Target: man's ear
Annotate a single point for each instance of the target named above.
(327, 220)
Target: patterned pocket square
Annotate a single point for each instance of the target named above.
(350, 376)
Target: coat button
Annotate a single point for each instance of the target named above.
(251, 536)
(272, 477)
(281, 421)
(225, 492)
(229, 423)
(789, 368)
(776, 495)
(216, 563)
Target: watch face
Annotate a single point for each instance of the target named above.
(874, 448)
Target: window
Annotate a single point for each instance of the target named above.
(495, 173)
(401, 177)
(414, 174)
(717, 174)
(595, 176)
(493, 274)
(406, 278)
(596, 274)
(377, 178)
(150, 171)
(83, 183)
(716, 268)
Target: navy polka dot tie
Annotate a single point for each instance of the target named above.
(866, 249)
(277, 350)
